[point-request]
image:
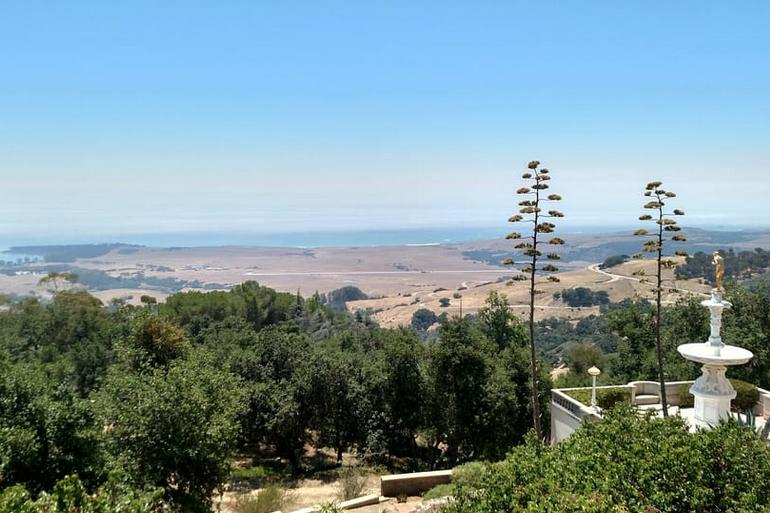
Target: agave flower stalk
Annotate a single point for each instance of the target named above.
(657, 243)
(532, 212)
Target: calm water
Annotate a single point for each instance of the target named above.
(293, 239)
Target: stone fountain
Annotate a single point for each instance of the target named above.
(712, 390)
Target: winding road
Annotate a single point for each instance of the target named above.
(616, 277)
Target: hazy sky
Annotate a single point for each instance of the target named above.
(134, 117)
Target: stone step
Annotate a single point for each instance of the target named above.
(413, 484)
(642, 399)
(366, 500)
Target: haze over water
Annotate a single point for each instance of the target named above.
(150, 122)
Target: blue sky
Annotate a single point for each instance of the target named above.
(152, 117)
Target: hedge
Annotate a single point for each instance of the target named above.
(747, 398)
(605, 397)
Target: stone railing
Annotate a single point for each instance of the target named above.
(568, 414)
(762, 409)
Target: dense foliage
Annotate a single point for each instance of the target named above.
(621, 341)
(582, 297)
(605, 397)
(613, 261)
(627, 464)
(337, 299)
(738, 265)
(70, 496)
(165, 394)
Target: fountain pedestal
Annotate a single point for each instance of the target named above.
(712, 390)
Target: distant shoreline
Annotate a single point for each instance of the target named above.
(409, 237)
(299, 240)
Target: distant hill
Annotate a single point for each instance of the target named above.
(596, 247)
(71, 252)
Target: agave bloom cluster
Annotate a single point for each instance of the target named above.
(667, 224)
(530, 211)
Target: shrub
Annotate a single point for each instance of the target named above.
(70, 496)
(686, 399)
(437, 492)
(748, 395)
(330, 507)
(443, 302)
(582, 296)
(614, 261)
(629, 464)
(467, 476)
(470, 475)
(606, 398)
(352, 483)
(268, 499)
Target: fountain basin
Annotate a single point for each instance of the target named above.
(708, 354)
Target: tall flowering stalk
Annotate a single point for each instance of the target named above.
(538, 234)
(657, 243)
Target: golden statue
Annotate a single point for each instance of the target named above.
(719, 264)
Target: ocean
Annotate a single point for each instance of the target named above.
(307, 239)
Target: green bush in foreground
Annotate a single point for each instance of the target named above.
(439, 491)
(70, 496)
(470, 475)
(629, 464)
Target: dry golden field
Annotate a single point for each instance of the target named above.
(619, 282)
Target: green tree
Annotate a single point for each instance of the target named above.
(280, 391)
(337, 299)
(581, 357)
(458, 369)
(683, 322)
(173, 427)
(395, 393)
(499, 324)
(632, 322)
(423, 319)
(338, 395)
(613, 261)
(582, 297)
(506, 401)
(747, 323)
(155, 342)
(47, 431)
(57, 280)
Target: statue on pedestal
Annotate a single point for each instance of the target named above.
(719, 268)
(713, 391)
